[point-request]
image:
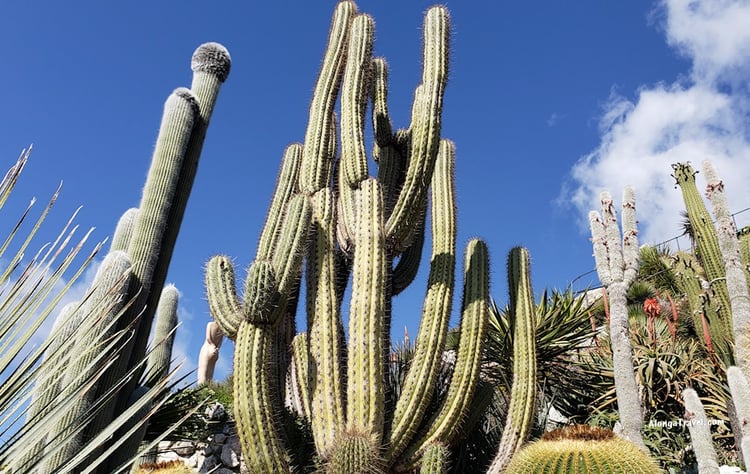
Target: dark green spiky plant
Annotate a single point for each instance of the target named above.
(345, 225)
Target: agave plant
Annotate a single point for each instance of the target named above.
(564, 329)
(33, 395)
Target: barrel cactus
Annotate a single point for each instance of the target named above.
(582, 449)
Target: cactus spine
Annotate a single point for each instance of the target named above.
(617, 265)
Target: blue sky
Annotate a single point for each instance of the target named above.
(548, 103)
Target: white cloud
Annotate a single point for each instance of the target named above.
(702, 117)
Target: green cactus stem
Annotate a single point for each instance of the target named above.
(254, 404)
(521, 411)
(474, 313)
(316, 162)
(425, 368)
(97, 322)
(707, 250)
(366, 345)
(124, 230)
(160, 358)
(326, 329)
(435, 459)
(617, 265)
(736, 282)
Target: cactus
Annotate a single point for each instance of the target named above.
(582, 449)
(617, 265)
(740, 390)
(708, 251)
(700, 433)
(145, 238)
(329, 211)
(735, 282)
(160, 358)
(521, 412)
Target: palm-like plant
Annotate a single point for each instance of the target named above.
(31, 382)
(564, 330)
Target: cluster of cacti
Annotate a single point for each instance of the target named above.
(331, 216)
(617, 265)
(105, 375)
(582, 449)
(711, 304)
(719, 248)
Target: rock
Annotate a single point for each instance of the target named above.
(183, 448)
(208, 465)
(215, 412)
(230, 457)
(196, 459)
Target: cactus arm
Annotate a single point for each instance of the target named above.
(365, 371)
(325, 327)
(407, 267)
(474, 313)
(381, 121)
(222, 295)
(299, 384)
(700, 433)
(740, 390)
(425, 366)
(315, 163)
(210, 64)
(521, 411)
(286, 187)
(290, 249)
(736, 281)
(610, 264)
(160, 358)
(354, 94)
(435, 459)
(124, 230)
(707, 246)
(260, 437)
(425, 127)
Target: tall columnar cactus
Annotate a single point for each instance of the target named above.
(735, 277)
(617, 265)
(709, 254)
(740, 390)
(700, 433)
(329, 213)
(117, 336)
(521, 412)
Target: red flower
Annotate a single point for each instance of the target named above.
(651, 307)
